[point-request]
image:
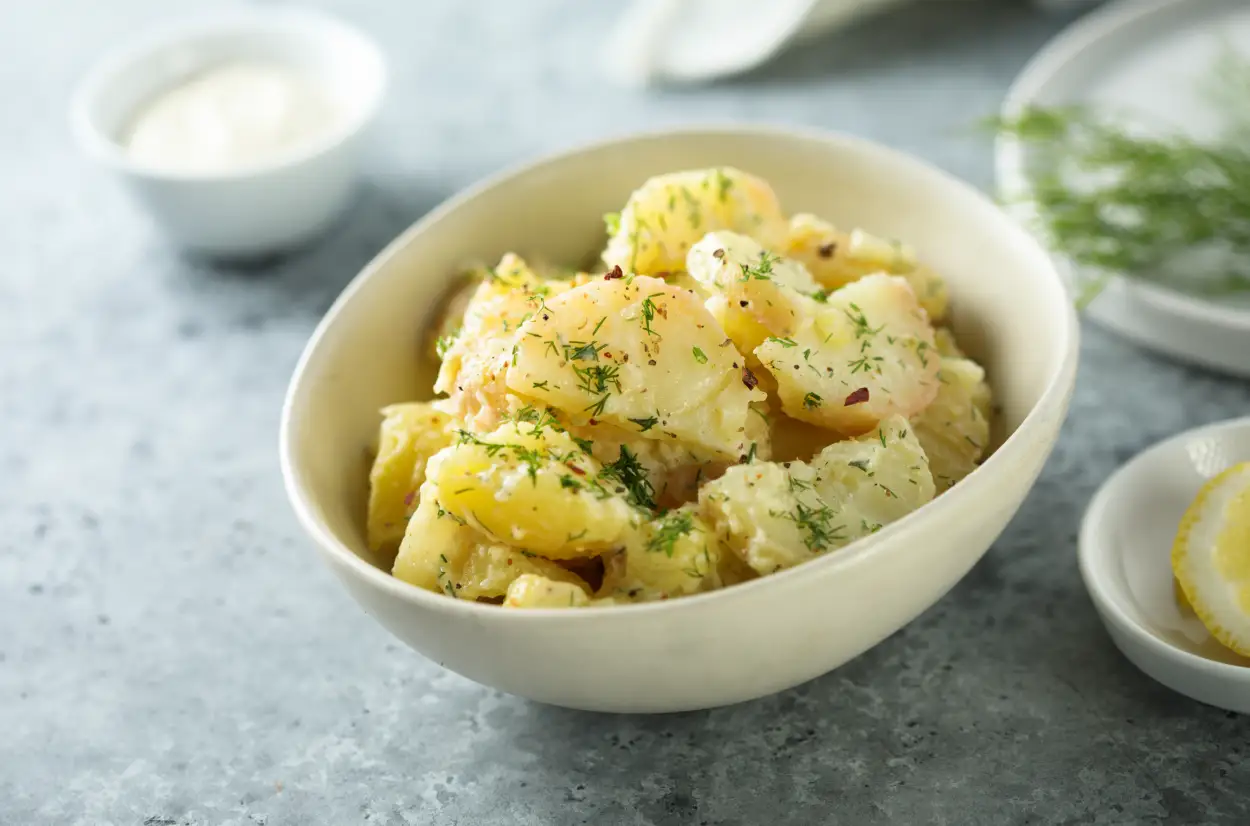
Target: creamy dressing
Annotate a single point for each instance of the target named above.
(235, 115)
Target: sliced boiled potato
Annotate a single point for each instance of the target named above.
(670, 556)
(440, 554)
(409, 435)
(475, 361)
(837, 258)
(536, 591)
(532, 487)
(753, 293)
(641, 355)
(775, 516)
(861, 357)
(954, 429)
(666, 216)
(842, 360)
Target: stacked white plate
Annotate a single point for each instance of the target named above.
(1148, 57)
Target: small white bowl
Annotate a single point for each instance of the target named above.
(1126, 544)
(259, 209)
(1010, 311)
(1147, 57)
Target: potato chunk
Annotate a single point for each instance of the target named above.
(954, 430)
(533, 591)
(837, 258)
(775, 516)
(475, 361)
(842, 361)
(410, 434)
(641, 355)
(866, 355)
(670, 556)
(665, 217)
(531, 487)
(441, 554)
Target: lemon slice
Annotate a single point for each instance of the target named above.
(1211, 557)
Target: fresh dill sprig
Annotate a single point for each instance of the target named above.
(629, 473)
(668, 529)
(1164, 208)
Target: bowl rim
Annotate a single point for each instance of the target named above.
(1054, 397)
(1010, 154)
(282, 22)
(1089, 549)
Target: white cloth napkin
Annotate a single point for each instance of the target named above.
(689, 41)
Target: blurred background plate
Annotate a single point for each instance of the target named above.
(1146, 58)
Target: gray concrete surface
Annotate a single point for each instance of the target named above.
(172, 652)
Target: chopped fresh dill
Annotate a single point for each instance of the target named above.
(1155, 206)
(667, 530)
(699, 355)
(632, 476)
(646, 424)
(612, 222)
(444, 343)
(763, 271)
(811, 401)
(648, 314)
(817, 526)
(784, 342)
(583, 350)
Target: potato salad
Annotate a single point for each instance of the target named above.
(730, 393)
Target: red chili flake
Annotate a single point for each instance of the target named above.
(614, 273)
(857, 397)
(749, 379)
(718, 254)
(409, 497)
(509, 560)
(827, 250)
(592, 421)
(577, 470)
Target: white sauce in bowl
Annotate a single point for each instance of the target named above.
(234, 115)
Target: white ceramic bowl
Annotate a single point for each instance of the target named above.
(1126, 545)
(748, 641)
(259, 209)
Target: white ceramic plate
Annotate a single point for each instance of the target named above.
(1126, 544)
(1147, 57)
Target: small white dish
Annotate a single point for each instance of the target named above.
(254, 210)
(1146, 57)
(1010, 311)
(1125, 551)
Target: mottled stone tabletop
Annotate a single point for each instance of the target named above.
(172, 651)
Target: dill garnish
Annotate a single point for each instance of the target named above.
(1159, 207)
(632, 476)
(648, 314)
(816, 525)
(670, 528)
